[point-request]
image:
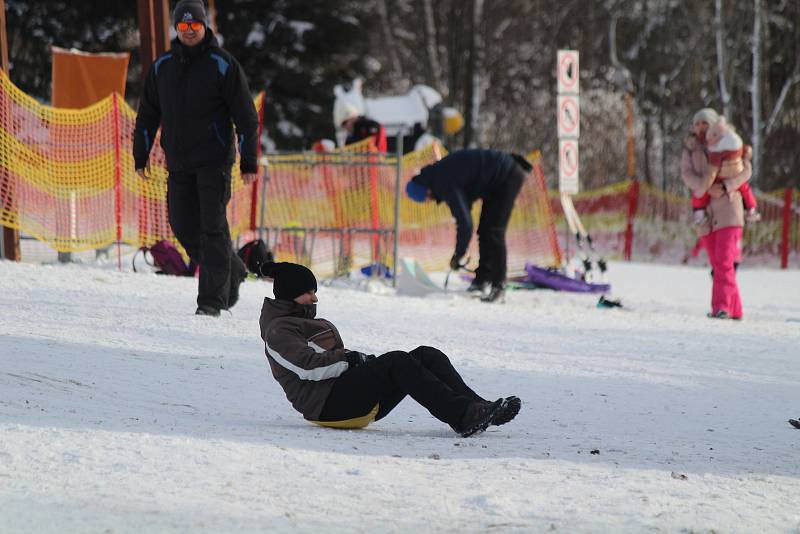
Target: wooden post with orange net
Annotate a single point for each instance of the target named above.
(374, 204)
(633, 192)
(9, 245)
(262, 98)
(788, 197)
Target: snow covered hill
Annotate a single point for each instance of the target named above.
(120, 411)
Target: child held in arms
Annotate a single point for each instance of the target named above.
(725, 153)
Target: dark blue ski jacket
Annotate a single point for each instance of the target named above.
(196, 94)
(461, 178)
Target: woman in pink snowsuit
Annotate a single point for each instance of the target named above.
(725, 217)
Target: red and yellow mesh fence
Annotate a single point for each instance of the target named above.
(67, 179)
(657, 228)
(336, 211)
(67, 176)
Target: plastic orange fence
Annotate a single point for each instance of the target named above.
(659, 227)
(67, 178)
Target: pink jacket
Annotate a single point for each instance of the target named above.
(726, 210)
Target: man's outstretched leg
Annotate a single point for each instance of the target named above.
(386, 380)
(439, 364)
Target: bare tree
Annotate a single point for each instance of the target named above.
(391, 47)
(472, 132)
(719, 31)
(431, 48)
(755, 90)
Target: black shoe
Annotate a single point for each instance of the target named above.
(498, 292)
(238, 274)
(795, 423)
(477, 286)
(509, 409)
(207, 310)
(478, 417)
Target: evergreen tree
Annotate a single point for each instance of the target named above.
(297, 51)
(89, 25)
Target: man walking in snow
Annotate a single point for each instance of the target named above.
(196, 92)
(461, 178)
(333, 386)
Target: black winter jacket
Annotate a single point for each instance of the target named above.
(194, 94)
(461, 178)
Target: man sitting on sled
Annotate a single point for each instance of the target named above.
(336, 387)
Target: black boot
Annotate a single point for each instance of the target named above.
(478, 417)
(207, 310)
(508, 411)
(498, 292)
(238, 275)
(477, 286)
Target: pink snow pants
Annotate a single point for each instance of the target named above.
(723, 248)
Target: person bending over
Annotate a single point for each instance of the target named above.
(458, 180)
(333, 386)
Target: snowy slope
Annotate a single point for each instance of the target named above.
(121, 411)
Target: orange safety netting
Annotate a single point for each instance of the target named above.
(660, 228)
(337, 211)
(67, 178)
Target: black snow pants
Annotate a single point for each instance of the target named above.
(495, 214)
(197, 202)
(425, 374)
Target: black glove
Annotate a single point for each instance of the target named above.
(354, 359)
(455, 262)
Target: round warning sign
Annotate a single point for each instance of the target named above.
(568, 166)
(569, 116)
(568, 72)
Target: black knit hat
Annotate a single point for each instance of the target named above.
(186, 10)
(290, 279)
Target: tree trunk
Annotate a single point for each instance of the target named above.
(434, 68)
(648, 145)
(719, 30)
(755, 92)
(391, 47)
(472, 131)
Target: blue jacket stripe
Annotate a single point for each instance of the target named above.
(160, 60)
(222, 65)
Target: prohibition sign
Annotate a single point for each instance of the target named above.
(569, 116)
(568, 165)
(568, 71)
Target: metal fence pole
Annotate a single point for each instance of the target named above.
(398, 177)
(262, 215)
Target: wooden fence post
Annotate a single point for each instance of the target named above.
(633, 202)
(788, 197)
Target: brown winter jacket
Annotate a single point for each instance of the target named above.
(306, 355)
(726, 210)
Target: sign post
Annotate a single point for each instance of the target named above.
(569, 120)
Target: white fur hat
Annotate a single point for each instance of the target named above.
(706, 115)
(343, 110)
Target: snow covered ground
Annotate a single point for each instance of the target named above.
(121, 411)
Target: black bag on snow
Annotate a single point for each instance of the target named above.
(253, 254)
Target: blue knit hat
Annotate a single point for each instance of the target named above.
(416, 191)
